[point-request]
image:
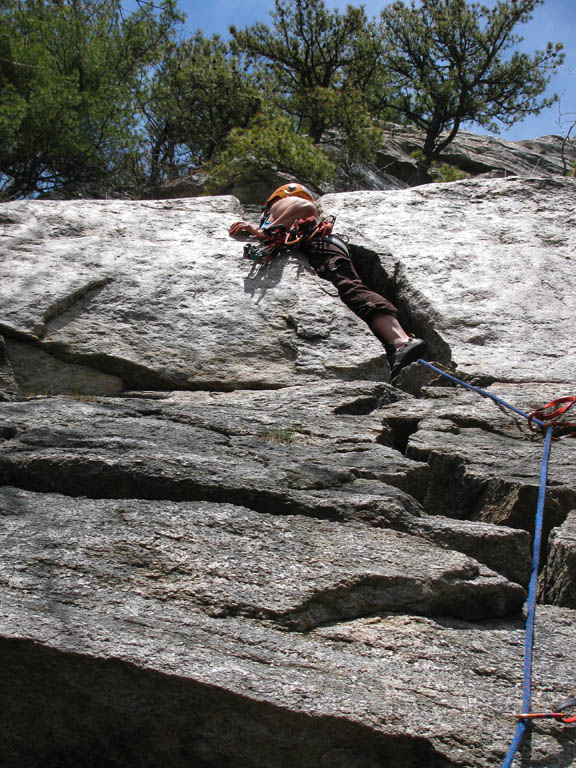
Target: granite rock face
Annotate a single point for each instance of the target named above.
(482, 268)
(157, 295)
(556, 583)
(477, 155)
(228, 540)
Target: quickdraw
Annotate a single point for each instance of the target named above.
(560, 716)
(550, 413)
(277, 239)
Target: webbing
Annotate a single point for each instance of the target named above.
(531, 599)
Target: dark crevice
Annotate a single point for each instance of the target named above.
(379, 397)
(416, 321)
(135, 377)
(478, 380)
(139, 377)
(398, 431)
(13, 333)
(377, 594)
(96, 480)
(361, 406)
(453, 491)
(192, 421)
(506, 502)
(369, 267)
(512, 431)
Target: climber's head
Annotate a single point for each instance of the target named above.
(289, 190)
(287, 204)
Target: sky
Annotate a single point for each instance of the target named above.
(553, 21)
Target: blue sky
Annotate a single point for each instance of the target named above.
(555, 20)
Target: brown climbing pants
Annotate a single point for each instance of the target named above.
(330, 258)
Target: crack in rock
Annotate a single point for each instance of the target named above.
(231, 449)
(37, 372)
(228, 560)
(67, 308)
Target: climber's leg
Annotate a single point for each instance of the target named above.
(330, 257)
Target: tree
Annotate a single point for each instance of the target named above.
(69, 71)
(198, 95)
(269, 143)
(316, 63)
(448, 65)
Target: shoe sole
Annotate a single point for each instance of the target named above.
(410, 356)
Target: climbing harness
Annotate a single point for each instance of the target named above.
(273, 240)
(547, 419)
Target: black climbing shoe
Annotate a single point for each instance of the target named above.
(407, 354)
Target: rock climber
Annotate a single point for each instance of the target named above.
(330, 258)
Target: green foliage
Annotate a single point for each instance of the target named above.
(198, 95)
(317, 63)
(417, 155)
(446, 61)
(68, 74)
(445, 173)
(285, 436)
(269, 143)
(90, 93)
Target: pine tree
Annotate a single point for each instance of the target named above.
(69, 72)
(447, 63)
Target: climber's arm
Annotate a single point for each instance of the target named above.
(242, 230)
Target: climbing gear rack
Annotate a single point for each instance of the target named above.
(273, 240)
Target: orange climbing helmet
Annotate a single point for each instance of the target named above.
(290, 190)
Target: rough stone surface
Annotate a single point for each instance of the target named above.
(276, 453)
(482, 268)
(8, 383)
(236, 562)
(157, 294)
(492, 458)
(40, 373)
(228, 540)
(477, 155)
(557, 582)
(178, 686)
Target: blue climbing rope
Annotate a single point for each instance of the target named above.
(537, 542)
(531, 605)
(482, 392)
